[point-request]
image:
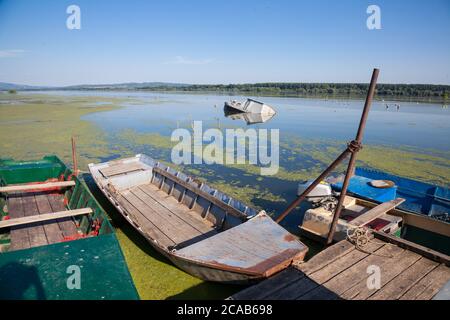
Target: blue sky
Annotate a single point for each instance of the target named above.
(223, 41)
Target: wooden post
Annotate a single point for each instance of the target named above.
(74, 157)
(324, 174)
(354, 147)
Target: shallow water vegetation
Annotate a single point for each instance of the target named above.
(36, 124)
(32, 126)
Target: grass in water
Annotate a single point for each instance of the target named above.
(35, 125)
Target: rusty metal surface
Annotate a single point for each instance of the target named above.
(324, 174)
(259, 246)
(353, 147)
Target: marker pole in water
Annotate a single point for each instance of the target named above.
(354, 146)
(74, 156)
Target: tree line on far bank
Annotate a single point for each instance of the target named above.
(423, 91)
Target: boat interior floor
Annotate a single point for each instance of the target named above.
(175, 226)
(24, 204)
(163, 218)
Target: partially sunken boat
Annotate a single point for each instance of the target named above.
(249, 118)
(51, 229)
(249, 106)
(200, 229)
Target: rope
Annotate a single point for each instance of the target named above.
(361, 237)
(354, 146)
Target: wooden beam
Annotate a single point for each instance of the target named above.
(423, 222)
(201, 193)
(44, 217)
(376, 212)
(417, 248)
(38, 186)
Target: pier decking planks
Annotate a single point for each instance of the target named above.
(41, 233)
(340, 272)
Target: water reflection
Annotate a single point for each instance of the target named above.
(249, 118)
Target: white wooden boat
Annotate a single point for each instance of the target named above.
(249, 106)
(201, 230)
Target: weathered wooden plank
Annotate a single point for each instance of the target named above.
(177, 208)
(319, 293)
(424, 251)
(389, 268)
(394, 287)
(358, 272)
(19, 235)
(37, 186)
(51, 228)
(376, 212)
(152, 193)
(38, 218)
(66, 225)
(266, 288)
(428, 286)
(326, 257)
(142, 223)
(36, 232)
(121, 169)
(294, 290)
(342, 264)
(170, 227)
(177, 218)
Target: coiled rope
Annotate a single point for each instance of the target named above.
(361, 237)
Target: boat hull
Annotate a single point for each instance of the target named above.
(197, 258)
(44, 268)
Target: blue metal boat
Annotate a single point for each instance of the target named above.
(421, 197)
(425, 216)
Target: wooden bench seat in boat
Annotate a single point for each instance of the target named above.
(37, 186)
(27, 204)
(119, 169)
(43, 217)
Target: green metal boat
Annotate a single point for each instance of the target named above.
(55, 239)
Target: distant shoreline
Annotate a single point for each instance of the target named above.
(428, 93)
(433, 100)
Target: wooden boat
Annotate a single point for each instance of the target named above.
(201, 230)
(50, 222)
(249, 106)
(356, 213)
(424, 230)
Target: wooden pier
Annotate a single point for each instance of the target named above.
(408, 272)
